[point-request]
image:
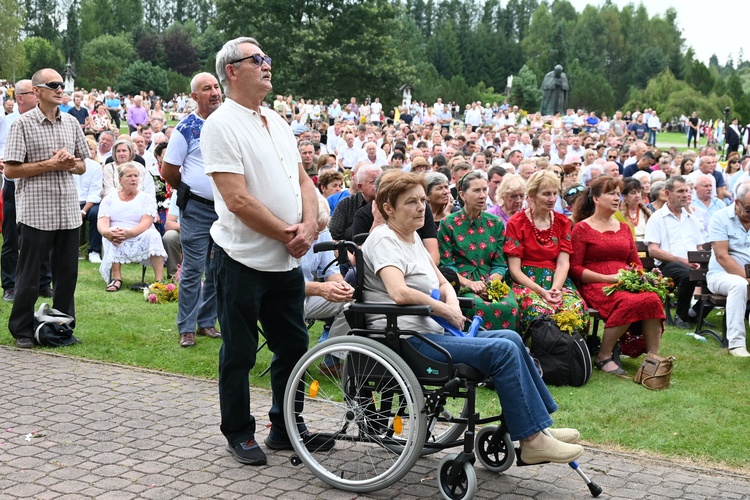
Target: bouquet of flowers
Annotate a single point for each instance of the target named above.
(567, 321)
(159, 293)
(497, 290)
(634, 279)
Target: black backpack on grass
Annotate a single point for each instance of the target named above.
(564, 358)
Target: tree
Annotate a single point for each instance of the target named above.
(72, 36)
(652, 61)
(589, 90)
(444, 52)
(699, 76)
(104, 59)
(13, 62)
(143, 76)
(536, 46)
(179, 52)
(40, 53)
(109, 17)
(41, 19)
(526, 92)
(177, 83)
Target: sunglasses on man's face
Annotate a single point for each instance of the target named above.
(50, 85)
(612, 157)
(257, 59)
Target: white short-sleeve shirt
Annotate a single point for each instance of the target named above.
(234, 140)
(673, 235)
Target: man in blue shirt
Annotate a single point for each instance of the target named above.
(65, 106)
(730, 239)
(112, 103)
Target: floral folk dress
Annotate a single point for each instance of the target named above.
(473, 248)
(538, 262)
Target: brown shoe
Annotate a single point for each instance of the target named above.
(209, 332)
(187, 339)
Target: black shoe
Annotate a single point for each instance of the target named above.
(45, 291)
(248, 453)
(25, 343)
(680, 323)
(9, 295)
(313, 442)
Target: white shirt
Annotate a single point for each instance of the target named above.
(234, 140)
(673, 235)
(348, 156)
(184, 151)
(89, 183)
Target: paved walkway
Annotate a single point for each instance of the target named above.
(78, 429)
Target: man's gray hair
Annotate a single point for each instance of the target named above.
(743, 189)
(106, 132)
(366, 169)
(228, 53)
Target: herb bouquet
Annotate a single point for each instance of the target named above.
(635, 279)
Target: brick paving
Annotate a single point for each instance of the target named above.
(72, 429)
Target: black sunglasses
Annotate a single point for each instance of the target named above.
(257, 60)
(612, 157)
(50, 85)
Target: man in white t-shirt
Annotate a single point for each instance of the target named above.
(267, 210)
(183, 169)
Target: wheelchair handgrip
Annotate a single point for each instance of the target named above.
(324, 246)
(375, 308)
(466, 303)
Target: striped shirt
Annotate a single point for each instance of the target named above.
(48, 201)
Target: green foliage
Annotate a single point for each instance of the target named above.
(176, 84)
(180, 54)
(589, 90)
(526, 91)
(699, 76)
(110, 17)
(142, 75)
(13, 61)
(650, 62)
(40, 53)
(41, 19)
(72, 45)
(104, 59)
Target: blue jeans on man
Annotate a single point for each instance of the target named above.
(196, 304)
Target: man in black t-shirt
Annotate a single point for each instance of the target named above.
(693, 123)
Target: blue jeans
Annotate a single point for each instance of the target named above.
(525, 399)
(196, 304)
(244, 297)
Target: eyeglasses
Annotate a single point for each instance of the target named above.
(747, 210)
(24, 93)
(572, 174)
(734, 161)
(257, 59)
(50, 85)
(612, 157)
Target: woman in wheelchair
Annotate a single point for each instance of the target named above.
(399, 270)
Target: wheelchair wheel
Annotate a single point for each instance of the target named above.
(495, 458)
(376, 404)
(466, 484)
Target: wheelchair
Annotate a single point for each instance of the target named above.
(392, 405)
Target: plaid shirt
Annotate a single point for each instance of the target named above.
(48, 201)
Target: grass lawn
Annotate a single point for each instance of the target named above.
(700, 419)
(665, 140)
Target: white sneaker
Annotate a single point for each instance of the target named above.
(95, 258)
(740, 352)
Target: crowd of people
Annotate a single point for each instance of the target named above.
(458, 201)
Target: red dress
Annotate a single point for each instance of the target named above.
(607, 253)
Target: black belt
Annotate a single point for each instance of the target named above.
(200, 199)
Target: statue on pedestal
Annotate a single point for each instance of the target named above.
(555, 90)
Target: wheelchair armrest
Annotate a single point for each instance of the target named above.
(466, 303)
(390, 309)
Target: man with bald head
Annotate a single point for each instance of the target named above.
(137, 114)
(9, 259)
(183, 169)
(45, 149)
